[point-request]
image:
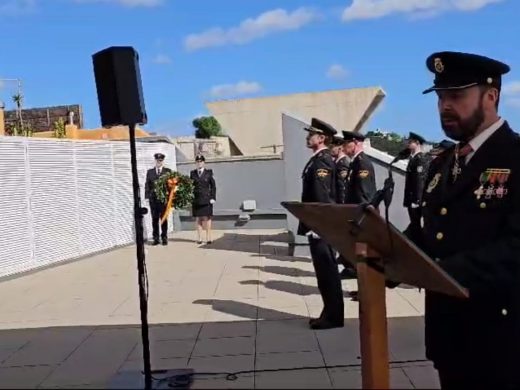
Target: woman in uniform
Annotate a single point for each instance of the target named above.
(204, 197)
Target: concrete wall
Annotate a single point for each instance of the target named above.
(241, 178)
(255, 124)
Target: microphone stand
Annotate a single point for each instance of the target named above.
(139, 212)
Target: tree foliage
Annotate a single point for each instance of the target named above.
(206, 127)
(391, 143)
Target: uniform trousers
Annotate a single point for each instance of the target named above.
(157, 210)
(415, 218)
(329, 282)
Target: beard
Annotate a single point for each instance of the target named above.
(460, 129)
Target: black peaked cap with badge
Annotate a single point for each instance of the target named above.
(351, 136)
(416, 137)
(159, 156)
(321, 127)
(337, 140)
(457, 70)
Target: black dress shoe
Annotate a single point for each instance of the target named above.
(348, 273)
(165, 242)
(199, 242)
(326, 324)
(155, 243)
(209, 242)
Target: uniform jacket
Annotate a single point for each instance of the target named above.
(475, 238)
(342, 170)
(361, 181)
(415, 177)
(151, 177)
(205, 187)
(319, 182)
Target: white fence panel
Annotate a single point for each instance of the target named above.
(15, 241)
(123, 194)
(63, 199)
(95, 186)
(54, 208)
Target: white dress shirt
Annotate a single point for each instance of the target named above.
(479, 140)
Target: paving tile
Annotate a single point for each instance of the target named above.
(174, 332)
(298, 379)
(90, 363)
(267, 343)
(350, 378)
(222, 364)
(165, 349)
(224, 347)
(270, 361)
(422, 377)
(49, 347)
(228, 329)
(23, 377)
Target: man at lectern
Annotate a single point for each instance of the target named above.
(319, 185)
(471, 228)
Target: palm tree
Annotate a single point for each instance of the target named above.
(18, 100)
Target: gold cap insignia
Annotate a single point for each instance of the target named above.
(439, 66)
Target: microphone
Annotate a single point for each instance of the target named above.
(403, 154)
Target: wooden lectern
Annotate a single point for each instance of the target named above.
(380, 252)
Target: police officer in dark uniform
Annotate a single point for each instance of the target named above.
(416, 172)
(156, 206)
(361, 186)
(319, 185)
(471, 215)
(342, 168)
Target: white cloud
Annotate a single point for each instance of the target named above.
(373, 9)
(127, 3)
(337, 72)
(511, 93)
(267, 23)
(233, 90)
(511, 89)
(162, 59)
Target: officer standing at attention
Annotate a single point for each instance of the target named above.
(156, 206)
(471, 214)
(361, 179)
(415, 178)
(342, 167)
(319, 185)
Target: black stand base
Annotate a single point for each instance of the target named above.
(162, 379)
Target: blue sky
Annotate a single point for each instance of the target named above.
(197, 50)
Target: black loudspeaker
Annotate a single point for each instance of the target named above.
(118, 84)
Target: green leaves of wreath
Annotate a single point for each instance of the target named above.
(184, 195)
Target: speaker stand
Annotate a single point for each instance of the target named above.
(141, 265)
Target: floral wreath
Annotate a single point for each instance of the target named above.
(175, 190)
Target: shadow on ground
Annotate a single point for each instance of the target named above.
(266, 353)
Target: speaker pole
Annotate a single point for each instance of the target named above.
(141, 268)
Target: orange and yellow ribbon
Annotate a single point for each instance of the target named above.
(172, 187)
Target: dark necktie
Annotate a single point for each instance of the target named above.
(200, 172)
(461, 151)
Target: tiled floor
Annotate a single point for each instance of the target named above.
(237, 305)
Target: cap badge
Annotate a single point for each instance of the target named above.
(439, 66)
